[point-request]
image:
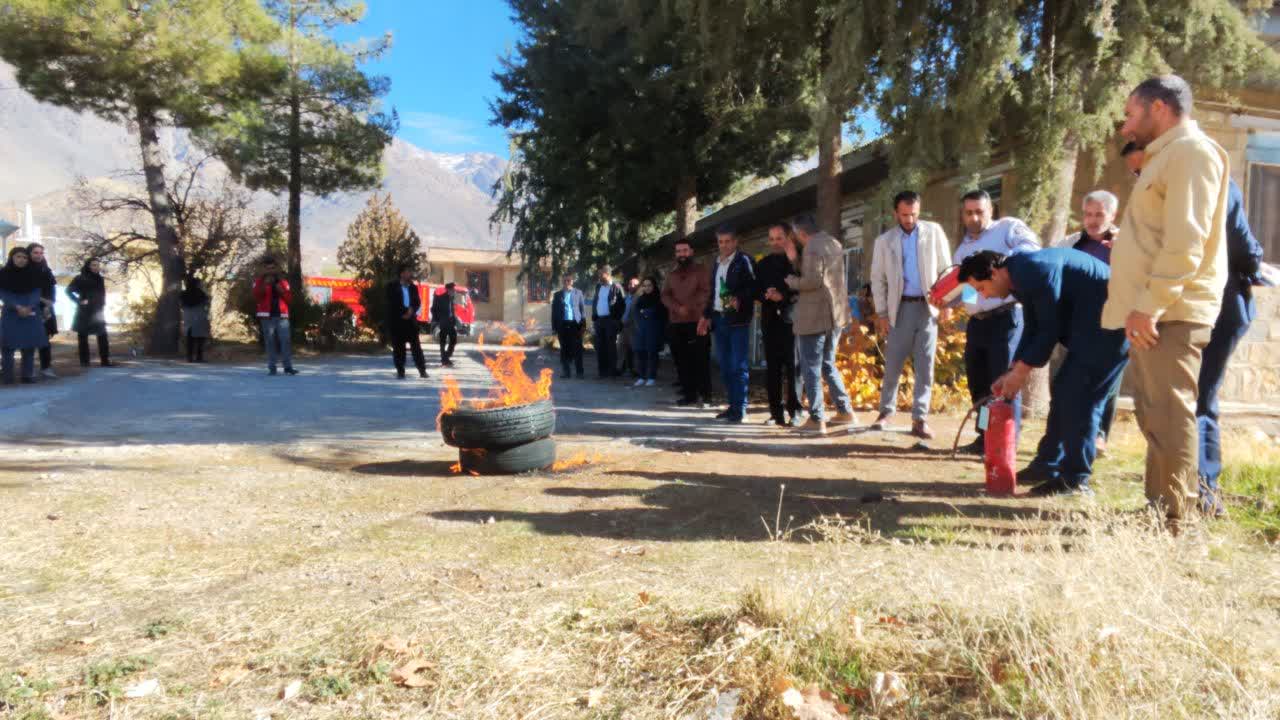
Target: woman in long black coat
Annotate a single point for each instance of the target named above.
(89, 292)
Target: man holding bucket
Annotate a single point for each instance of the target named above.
(1062, 292)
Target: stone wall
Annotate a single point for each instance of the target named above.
(1253, 376)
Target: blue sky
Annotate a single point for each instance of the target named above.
(440, 62)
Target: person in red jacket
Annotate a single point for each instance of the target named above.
(272, 295)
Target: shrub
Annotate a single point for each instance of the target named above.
(861, 363)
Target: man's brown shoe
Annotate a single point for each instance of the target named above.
(844, 418)
(881, 419)
(813, 425)
(920, 429)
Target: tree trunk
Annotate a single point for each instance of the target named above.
(686, 206)
(295, 195)
(164, 334)
(294, 221)
(1064, 185)
(829, 141)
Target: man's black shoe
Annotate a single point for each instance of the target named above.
(1035, 475)
(581, 376)
(1053, 487)
(723, 415)
(735, 419)
(686, 402)
(977, 447)
(290, 371)
(272, 371)
(422, 374)
(400, 375)
(564, 376)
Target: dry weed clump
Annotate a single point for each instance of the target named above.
(1109, 619)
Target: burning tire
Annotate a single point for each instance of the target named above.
(497, 428)
(536, 455)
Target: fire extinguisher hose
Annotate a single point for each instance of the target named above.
(955, 446)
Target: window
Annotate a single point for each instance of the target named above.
(1264, 207)
(538, 286)
(478, 285)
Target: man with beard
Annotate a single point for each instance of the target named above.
(685, 294)
(1244, 261)
(995, 323)
(1167, 280)
(1061, 292)
(906, 262)
(776, 310)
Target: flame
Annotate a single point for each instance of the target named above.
(515, 387)
(456, 467)
(576, 460)
(450, 398)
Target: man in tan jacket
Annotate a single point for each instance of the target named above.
(1167, 278)
(908, 259)
(821, 315)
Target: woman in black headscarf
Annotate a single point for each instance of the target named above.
(195, 318)
(21, 326)
(89, 292)
(48, 297)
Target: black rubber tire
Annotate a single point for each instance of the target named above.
(498, 427)
(535, 455)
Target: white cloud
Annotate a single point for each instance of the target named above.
(440, 130)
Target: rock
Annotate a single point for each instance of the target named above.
(53, 516)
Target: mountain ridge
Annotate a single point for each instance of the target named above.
(444, 196)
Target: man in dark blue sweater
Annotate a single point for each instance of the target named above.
(1062, 292)
(1244, 259)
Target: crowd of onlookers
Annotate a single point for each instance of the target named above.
(1165, 296)
(28, 290)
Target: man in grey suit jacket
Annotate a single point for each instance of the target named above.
(908, 259)
(568, 320)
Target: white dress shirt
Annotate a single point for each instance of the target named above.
(1007, 236)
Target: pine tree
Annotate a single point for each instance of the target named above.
(618, 117)
(1045, 80)
(378, 241)
(320, 131)
(148, 63)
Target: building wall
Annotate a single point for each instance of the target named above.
(1253, 376)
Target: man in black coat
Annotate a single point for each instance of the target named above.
(403, 303)
(607, 308)
(445, 317)
(568, 320)
(777, 300)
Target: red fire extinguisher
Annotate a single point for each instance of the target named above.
(1000, 444)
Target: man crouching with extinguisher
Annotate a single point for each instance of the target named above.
(1062, 291)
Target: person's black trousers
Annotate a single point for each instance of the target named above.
(104, 348)
(195, 349)
(692, 355)
(46, 357)
(780, 370)
(570, 335)
(990, 342)
(606, 340)
(448, 340)
(402, 332)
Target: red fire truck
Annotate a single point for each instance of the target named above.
(347, 291)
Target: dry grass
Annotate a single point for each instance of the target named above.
(229, 573)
